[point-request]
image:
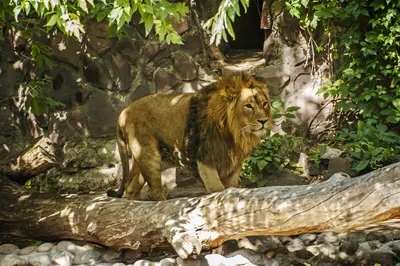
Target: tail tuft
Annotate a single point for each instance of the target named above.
(114, 194)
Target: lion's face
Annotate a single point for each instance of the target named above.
(251, 112)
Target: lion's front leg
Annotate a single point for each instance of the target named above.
(210, 177)
(233, 179)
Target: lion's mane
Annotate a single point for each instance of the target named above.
(215, 131)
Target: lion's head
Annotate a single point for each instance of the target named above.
(237, 117)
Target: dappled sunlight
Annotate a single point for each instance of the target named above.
(91, 207)
(24, 197)
(70, 215)
(6, 148)
(65, 212)
(70, 196)
(62, 45)
(49, 216)
(176, 99)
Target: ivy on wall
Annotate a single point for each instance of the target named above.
(361, 40)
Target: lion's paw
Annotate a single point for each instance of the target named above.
(186, 244)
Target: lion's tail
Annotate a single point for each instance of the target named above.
(123, 152)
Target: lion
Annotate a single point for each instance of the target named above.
(211, 132)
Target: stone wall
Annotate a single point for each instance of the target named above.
(95, 79)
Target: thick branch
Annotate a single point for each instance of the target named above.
(190, 224)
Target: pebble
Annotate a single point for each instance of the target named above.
(376, 236)
(307, 238)
(64, 258)
(13, 261)
(8, 249)
(111, 255)
(40, 259)
(314, 249)
(27, 250)
(45, 247)
(68, 246)
(88, 257)
(167, 262)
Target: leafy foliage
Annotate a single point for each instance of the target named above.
(370, 146)
(315, 153)
(363, 39)
(30, 19)
(279, 110)
(273, 152)
(40, 102)
(221, 22)
(70, 16)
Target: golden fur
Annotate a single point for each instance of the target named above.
(211, 131)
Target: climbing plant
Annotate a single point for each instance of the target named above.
(362, 41)
(71, 16)
(220, 25)
(31, 19)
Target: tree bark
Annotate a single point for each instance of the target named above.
(36, 160)
(193, 224)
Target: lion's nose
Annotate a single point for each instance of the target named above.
(262, 122)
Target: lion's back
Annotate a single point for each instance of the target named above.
(162, 116)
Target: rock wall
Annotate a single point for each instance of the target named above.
(98, 77)
(95, 79)
(294, 75)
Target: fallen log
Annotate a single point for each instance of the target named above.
(36, 160)
(190, 225)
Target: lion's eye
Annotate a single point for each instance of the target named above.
(265, 104)
(248, 106)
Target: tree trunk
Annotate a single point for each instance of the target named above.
(193, 224)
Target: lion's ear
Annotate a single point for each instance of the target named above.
(250, 83)
(228, 95)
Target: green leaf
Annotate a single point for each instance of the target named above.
(304, 3)
(292, 108)
(148, 24)
(261, 164)
(393, 119)
(82, 4)
(245, 4)
(361, 165)
(396, 103)
(278, 104)
(37, 108)
(16, 12)
(101, 15)
(27, 7)
(52, 21)
(48, 62)
(230, 28)
(115, 14)
(356, 155)
(387, 111)
(224, 36)
(321, 90)
(26, 34)
(290, 116)
(360, 125)
(381, 128)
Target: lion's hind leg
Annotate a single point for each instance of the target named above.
(150, 168)
(135, 183)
